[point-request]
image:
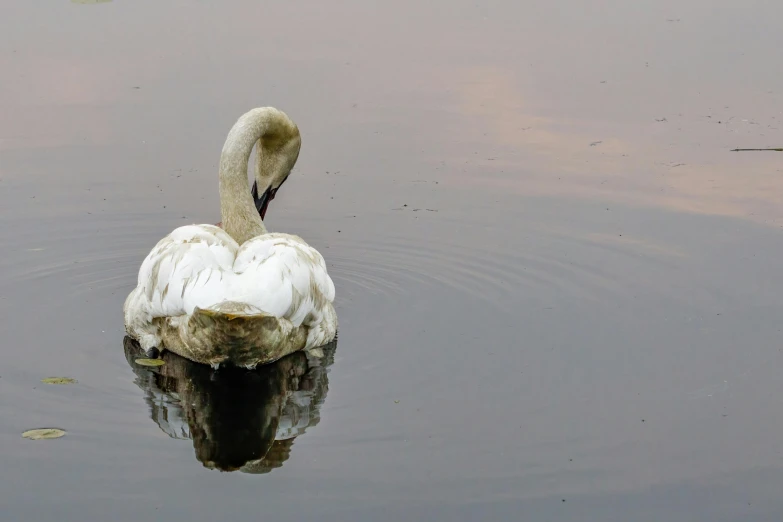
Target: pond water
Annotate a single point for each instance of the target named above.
(558, 288)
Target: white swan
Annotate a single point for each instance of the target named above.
(237, 295)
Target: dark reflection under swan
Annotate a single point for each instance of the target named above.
(238, 419)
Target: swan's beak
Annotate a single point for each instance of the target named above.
(262, 202)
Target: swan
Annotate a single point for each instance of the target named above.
(237, 295)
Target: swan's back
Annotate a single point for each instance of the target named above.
(198, 288)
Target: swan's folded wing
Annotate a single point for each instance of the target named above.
(289, 276)
(186, 269)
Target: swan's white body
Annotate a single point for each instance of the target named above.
(205, 296)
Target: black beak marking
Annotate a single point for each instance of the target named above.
(262, 201)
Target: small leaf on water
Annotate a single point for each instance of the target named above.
(43, 434)
(150, 362)
(59, 380)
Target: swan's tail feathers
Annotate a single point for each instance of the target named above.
(229, 311)
(238, 334)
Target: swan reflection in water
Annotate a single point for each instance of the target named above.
(238, 419)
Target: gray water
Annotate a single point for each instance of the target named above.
(558, 290)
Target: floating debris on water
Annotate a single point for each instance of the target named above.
(150, 362)
(59, 380)
(752, 150)
(43, 434)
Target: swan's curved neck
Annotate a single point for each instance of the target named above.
(240, 217)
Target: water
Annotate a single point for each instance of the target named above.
(558, 290)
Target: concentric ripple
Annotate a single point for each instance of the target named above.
(554, 264)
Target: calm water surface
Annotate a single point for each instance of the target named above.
(558, 291)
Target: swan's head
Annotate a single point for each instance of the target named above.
(276, 155)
